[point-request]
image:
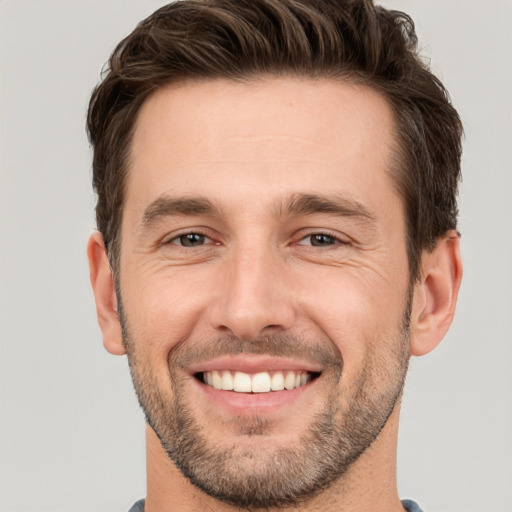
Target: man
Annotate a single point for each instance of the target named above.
(276, 215)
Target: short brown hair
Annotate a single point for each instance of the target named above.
(239, 39)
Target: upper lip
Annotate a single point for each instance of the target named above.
(255, 364)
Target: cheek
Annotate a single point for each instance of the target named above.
(361, 313)
(163, 305)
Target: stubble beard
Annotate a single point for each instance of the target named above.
(257, 478)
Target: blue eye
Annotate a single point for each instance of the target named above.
(190, 240)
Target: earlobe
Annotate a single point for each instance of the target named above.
(103, 286)
(435, 294)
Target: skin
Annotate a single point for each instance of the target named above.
(249, 149)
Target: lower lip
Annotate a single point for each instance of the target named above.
(240, 403)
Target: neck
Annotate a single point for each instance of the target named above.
(369, 484)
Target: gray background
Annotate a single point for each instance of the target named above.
(71, 433)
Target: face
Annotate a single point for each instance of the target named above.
(264, 282)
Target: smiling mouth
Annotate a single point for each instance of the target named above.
(262, 382)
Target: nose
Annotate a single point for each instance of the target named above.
(254, 297)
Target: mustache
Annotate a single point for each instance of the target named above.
(188, 352)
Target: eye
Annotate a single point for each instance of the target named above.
(320, 240)
(190, 240)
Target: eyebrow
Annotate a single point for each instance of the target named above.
(296, 204)
(167, 206)
(309, 204)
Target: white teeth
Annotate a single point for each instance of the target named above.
(262, 382)
(216, 380)
(277, 382)
(289, 380)
(242, 382)
(227, 381)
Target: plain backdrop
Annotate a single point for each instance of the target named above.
(71, 432)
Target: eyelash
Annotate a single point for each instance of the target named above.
(176, 238)
(182, 236)
(336, 240)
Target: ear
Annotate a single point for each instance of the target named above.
(102, 283)
(435, 294)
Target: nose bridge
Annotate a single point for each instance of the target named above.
(254, 296)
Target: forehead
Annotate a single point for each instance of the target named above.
(269, 136)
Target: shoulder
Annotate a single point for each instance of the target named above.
(138, 507)
(411, 506)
